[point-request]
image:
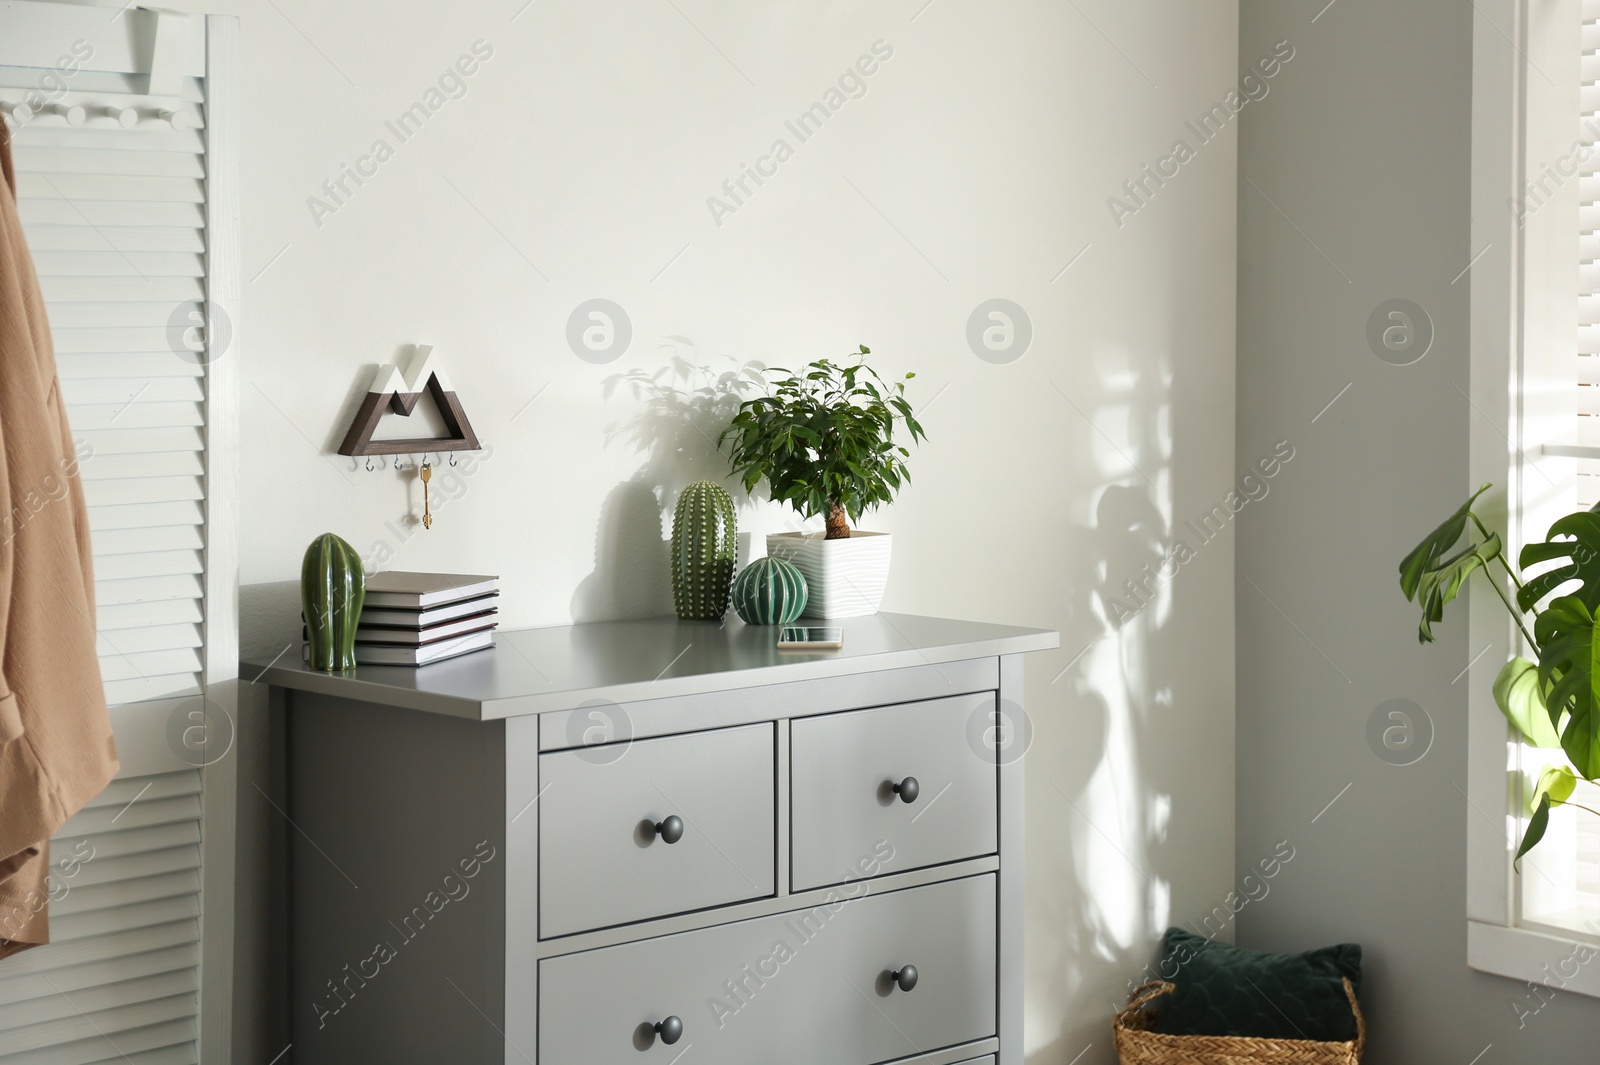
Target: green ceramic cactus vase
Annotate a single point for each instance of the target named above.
(769, 591)
(332, 589)
(705, 535)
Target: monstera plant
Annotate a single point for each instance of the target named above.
(1553, 702)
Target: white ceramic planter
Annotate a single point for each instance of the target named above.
(845, 578)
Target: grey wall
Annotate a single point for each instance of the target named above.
(1365, 147)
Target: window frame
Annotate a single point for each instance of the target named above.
(1521, 431)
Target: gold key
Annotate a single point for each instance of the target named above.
(427, 514)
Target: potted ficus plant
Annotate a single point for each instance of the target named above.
(1553, 702)
(824, 441)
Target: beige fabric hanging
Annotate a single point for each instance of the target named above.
(56, 748)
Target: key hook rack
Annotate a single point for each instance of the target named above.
(394, 391)
(382, 463)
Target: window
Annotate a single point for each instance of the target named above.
(1535, 381)
(1560, 886)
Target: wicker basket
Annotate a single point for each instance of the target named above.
(1137, 1045)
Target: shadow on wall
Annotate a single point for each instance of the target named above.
(630, 578)
(269, 619)
(681, 409)
(1100, 808)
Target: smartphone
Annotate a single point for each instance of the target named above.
(810, 638)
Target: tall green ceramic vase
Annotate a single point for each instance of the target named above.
(332, 589)
(705, 539)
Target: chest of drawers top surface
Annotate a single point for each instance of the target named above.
(531, 671)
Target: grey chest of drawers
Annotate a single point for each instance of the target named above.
(661, 841)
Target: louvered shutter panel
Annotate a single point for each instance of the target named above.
(1589, 258)
(121, 973)
(117, 221)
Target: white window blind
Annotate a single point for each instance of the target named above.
(1588, 367)
(1561, 878)
(121, 224)
(1587, 825)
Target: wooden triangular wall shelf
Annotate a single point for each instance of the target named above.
(398, 393)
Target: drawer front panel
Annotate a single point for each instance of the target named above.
(601, 862)
(793, 989)
(844, 806)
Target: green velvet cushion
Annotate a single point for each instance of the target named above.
(1223, 990)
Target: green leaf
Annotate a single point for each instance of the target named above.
(1582, 553)
(1440, 586)
(1536, 826)
(1425, 556)
(1557, 783)
(1567, 664)
(1521, 698)
(822, 437)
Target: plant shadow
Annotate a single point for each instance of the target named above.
(680, 410)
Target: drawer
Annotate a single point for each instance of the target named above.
(602, 863)
(844, 767)
(797, 988)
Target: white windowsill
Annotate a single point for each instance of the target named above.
(1523, 954)
(1577, 926)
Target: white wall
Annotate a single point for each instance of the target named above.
(977, 165)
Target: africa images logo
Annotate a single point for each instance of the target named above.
(851, 85)
(1142, 189)
(452, 85)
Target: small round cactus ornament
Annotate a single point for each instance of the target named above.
(769, 591)
(705, 536)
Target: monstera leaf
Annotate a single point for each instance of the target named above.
(1521, 698)
(1536, 827)
(1442, 584)
(1556, 785)
(1433, 580)
(1567, 661)
(1425, 556)
(1556, 781)
(1582, 553)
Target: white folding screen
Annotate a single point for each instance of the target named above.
(121, 975)
(129, 209)
(115, 219)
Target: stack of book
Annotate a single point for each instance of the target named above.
(412, 619)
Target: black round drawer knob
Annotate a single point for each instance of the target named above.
(671, 831)
(670, 1030)
(905, 978)
(908, 790)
